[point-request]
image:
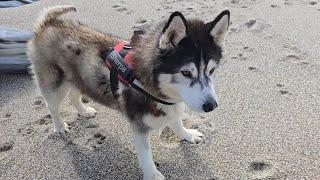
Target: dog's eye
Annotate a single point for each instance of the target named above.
(211, 71)
(187, 74)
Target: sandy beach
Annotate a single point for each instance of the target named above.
(267, 125)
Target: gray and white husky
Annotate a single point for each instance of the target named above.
(174, 61)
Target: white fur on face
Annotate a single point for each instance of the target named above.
(177, 86)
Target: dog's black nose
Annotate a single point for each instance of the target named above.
(209, 106)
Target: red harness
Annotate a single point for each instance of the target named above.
(119, 60)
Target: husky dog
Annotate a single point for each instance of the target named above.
(173, 61)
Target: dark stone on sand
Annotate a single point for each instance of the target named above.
(313, 3)
(6, 146)
(283, 92)
(251, 68)
(156, 163)
(235, 1)
(250, 23)
(259, 166)
(7, 115)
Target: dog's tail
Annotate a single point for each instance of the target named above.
(50, 15)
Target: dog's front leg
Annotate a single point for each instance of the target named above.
(190, 135)
(143, 148)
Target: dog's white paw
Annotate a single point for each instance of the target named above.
(63, 129)
(193, 136)
(155, 175)
(88, 112)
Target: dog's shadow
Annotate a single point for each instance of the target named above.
(113, 161)
(108, 161)
(189, 166)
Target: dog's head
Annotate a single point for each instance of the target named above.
(190, 51)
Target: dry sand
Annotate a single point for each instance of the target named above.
(267, 124)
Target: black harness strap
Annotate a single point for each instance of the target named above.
(114, 82)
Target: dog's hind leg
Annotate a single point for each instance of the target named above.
(83, 110)
(143, 148)
(54, 98)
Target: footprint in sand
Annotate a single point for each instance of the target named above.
(26, 131)
(84, 100)
(140, 20)
(288, 3)
(261, 170)
(250, 23)
(294, 59)
(169, 139)
(98, 138)
(7, 146)
(282, 92)
(239, 56)
(121, 9)
(45, 120)
(257, 26)
(7, 115)
(168, 135)
(39, 103)
(280, 85)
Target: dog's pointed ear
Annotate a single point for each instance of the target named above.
(174, 31)
(218, 28)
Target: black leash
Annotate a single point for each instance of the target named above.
(149, 95)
